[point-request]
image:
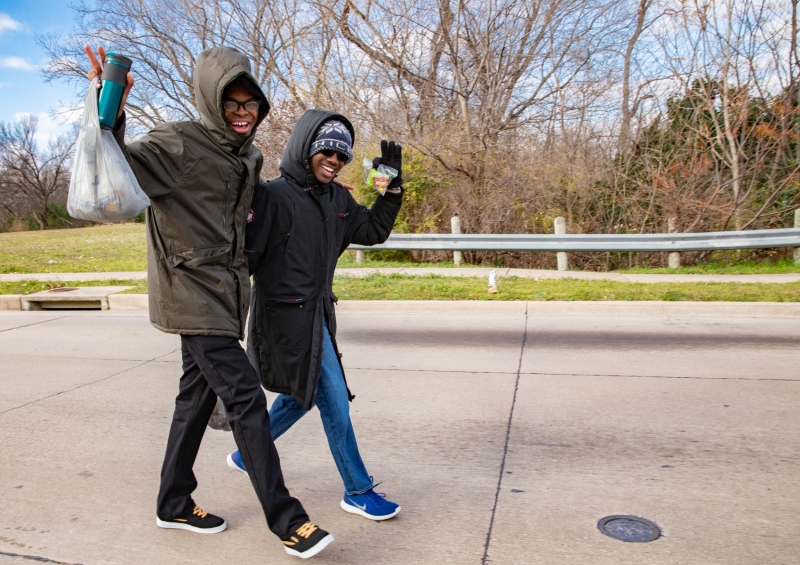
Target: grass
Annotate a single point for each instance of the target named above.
(744, 268)
(111, 248)
(403, 287)
(434, 287)
(98, 249)
(30, 286)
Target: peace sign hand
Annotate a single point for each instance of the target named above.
(97, 71)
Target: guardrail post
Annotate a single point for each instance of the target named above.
(797, 249)
(455, 227)
(359, 255)
(560, 228)
(674, 259)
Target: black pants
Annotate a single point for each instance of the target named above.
(218, 366)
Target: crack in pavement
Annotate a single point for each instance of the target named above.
(664, 377)
(154, 359)
(36, 558)
(34, 324)
(465, 372)
(485, 558)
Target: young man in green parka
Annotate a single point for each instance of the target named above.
(200, 176)
(299, 225)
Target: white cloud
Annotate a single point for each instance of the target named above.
(17, 63)
(7, 23)
(50, 127)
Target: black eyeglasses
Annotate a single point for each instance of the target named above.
(233, 105)
(339, 155)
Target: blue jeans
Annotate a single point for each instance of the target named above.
(334, 409)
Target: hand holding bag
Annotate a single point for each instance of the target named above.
(103, 187)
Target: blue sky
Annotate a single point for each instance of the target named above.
(22, 88)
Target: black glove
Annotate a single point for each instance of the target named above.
(391, 156)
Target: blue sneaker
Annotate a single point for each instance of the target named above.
(235, 462)
(371, 504)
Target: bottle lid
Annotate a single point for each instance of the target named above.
(120, 60)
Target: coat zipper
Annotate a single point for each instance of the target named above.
(285, 241)
(243, 313)
(225, 206)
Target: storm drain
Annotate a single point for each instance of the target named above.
(71, 297)
(629, 528)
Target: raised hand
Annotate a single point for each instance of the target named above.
(391, 156)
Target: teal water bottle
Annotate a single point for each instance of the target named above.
(114, 79)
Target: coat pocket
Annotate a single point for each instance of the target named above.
(199, 284)
(289, 323)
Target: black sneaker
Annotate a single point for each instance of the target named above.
(198, 521)
(307, 541)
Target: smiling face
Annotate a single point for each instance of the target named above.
(325, 165)
(241, 120)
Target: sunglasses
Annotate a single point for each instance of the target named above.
(233, 105)
(339, 155)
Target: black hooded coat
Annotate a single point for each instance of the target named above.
(296, 232)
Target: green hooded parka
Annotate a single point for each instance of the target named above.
(199, 176)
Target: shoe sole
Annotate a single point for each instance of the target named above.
(312, 551)
(232, 464)
(353, 510)
(178, 526)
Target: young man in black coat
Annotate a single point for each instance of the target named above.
(298, 227)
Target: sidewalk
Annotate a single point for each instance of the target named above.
(505, 435)
(452, 272)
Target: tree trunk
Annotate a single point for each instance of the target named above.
(43, 220)
(627, 114)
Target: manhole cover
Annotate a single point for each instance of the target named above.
(63, 289)
(629, 528)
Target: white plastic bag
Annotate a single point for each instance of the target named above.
(103, 187)
(219, 417)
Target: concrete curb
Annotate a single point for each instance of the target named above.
(10, 302)
(127, 302)
(656, 308)
(381, 307)
(576, 308)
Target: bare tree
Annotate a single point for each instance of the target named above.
(487, 68)
(31, 173)
(164, 38)
(639, 71)
(729, 53)
(618, 114)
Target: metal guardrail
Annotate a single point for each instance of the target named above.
(755, 239)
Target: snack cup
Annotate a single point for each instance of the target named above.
(380, 183)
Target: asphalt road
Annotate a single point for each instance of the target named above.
(504, 435)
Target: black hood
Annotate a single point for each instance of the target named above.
(295, 163)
